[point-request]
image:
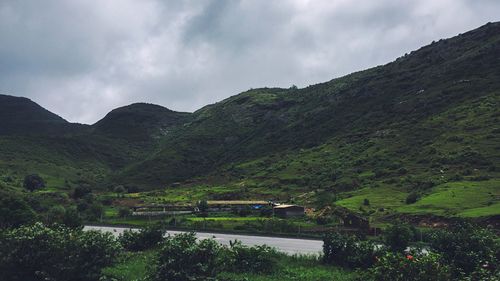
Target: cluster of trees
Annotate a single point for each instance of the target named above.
(462, 252)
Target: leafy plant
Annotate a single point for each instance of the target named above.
(398, 236)
(411, 267)
(182, 257)
(143, 239)
(348, 251)
(38, 252)
(33, 182)
(467, 248)
(256, 259)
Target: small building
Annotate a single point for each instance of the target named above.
(288, 211)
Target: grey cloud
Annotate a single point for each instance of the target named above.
(81, 59)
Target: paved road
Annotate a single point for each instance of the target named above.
(287, 245)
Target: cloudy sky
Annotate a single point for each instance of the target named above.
(81, 59)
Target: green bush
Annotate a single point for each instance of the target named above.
(14, 211)
(412, 197)
(182, 257)
(467, 248)
(38, 252)
(348, 251)
(256, 259)
(124, 212)
(398, 236)
(143, 239)
(399, 267)
(33, 182)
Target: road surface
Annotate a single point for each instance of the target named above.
(286, 245)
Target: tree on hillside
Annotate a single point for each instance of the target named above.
(33, 182)
(119, 190)
(203, 206)
(81, 190)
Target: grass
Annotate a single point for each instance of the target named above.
(133, 267)
(464, 199)
(300, 268)
(379, 197)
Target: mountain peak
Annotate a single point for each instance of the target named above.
(139, 121)
(21, 115)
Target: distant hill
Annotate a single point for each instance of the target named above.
(427, 123)
(139, 121)
(22, 116)
(32, 139)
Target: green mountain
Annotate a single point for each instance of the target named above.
(424, 127)
(21, 116)
(140, 121)
(33, 140)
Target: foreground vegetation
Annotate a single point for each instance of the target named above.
(39, 252)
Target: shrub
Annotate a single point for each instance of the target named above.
(124, 212)
(143, 239)
(38, 252)
(182, 257)
(95, 211)
(398, 236)
(81, 190)
(348, 251)
(254, 259)
(398, 267)
(467, 248)
(33, 182)
(14, 211)
(412, 197)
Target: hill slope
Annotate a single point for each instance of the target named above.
(397, 101)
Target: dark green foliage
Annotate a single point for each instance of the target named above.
(256, 259)
(72, 218)
(14, 211)
(398, 236)
(348, 251)
(182, 257)
(95, 211)
(81, 191)
(124, 212)
(202, 206)
(143, 239)
(36, 252)
(414, 267)
(56, 215)
(33, 182)
(412, 197)
(119, 190)
(467, 248)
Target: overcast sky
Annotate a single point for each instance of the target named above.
(80, 59)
